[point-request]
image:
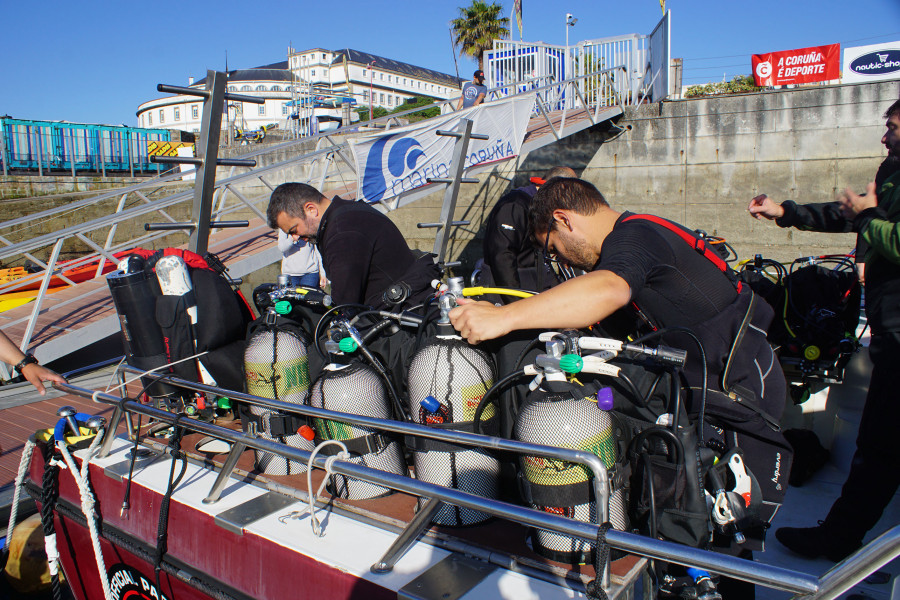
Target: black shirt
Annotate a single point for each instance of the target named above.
(670, 281)
(363, 252)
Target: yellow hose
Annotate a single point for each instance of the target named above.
(481, 291)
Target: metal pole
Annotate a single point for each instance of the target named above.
(102, 157)
(4, 155)
(40, 149)
(130, 139)
(371, 94)
(207, 150)
(39, 300)
(73, 153)
(456, 170)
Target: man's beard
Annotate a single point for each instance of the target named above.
(577, 254)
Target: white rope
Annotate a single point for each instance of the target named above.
(342, 455)
(20, 480)
(87, 503)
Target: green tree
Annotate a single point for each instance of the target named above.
(476, 28)
(740, 84)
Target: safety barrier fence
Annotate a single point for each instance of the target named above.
(49, 147)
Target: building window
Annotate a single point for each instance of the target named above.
(323, 57)
(262, 110)
(260, 88)
(389, 77)
(366, 96)
(284, 109)
(390, 100)
(382, 98)
(195, 112)
(149, 118)
(162, 116)
(232, 88)
(313, 72)
(245, 88)
(177, 113)
(381, 76)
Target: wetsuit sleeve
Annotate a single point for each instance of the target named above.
(348, 266)
(502, 244)
(825, 217)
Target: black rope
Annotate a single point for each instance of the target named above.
(594, 588)
(49, 495)
(162, 531)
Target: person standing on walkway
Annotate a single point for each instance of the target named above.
(874, 477)
(27, 365)
(473, 92)
(302, 261)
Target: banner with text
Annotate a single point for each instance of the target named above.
(875, 62)
(804, 65)
(399, 161)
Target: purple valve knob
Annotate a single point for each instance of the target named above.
(605, 399)
(430, 404)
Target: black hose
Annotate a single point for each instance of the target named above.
(476, 420)
(317, 332)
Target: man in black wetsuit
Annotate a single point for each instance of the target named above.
(631, 259)
(634, 259)
(510, 257)
(362, 250)
(874, 477)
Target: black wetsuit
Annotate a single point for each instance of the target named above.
(674, 285)
(364, 253)
(512, 259)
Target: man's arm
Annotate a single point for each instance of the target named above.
(34, 373)
(349, 254)
(573, 304)
(479, 99)
(825, 217)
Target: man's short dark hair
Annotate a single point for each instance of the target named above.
(478, 73)
(289, 198)
(894, 109)
(559, 172)
(566, 193)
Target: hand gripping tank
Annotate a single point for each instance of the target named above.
(356, 388)
(455, 376)
(559, 419)
(276, 367)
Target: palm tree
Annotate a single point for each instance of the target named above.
(475, 30)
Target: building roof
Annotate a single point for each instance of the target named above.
(274, 72)
(395, 65)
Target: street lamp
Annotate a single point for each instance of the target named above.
(371, 95)
(570, 22)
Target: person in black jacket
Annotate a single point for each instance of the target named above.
(510, 257)
(874, 478)
(362, 250)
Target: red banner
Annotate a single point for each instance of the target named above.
(804, 65)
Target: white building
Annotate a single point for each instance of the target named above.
(311, 73)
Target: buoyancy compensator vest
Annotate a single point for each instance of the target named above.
(276, 367)
(446, 380)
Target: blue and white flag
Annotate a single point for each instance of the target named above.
(391, 163)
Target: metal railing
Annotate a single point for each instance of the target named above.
(831, 585)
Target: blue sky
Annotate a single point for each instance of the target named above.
(95, 61)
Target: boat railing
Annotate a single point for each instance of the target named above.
(830, 585)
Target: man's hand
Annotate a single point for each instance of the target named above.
(36, 375)
(762, 207)
(478, 321)
(852, 203)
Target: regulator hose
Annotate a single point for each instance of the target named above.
(476, 420)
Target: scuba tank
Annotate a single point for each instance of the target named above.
(567, 415)
(446, 380)
(355, 388)
(276, 367)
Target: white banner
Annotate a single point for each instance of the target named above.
(399, 161)
(875, 62)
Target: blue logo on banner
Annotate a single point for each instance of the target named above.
(403, 156)
(879, 62)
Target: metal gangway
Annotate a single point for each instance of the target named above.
(57, 323)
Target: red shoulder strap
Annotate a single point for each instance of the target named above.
(692, 240)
